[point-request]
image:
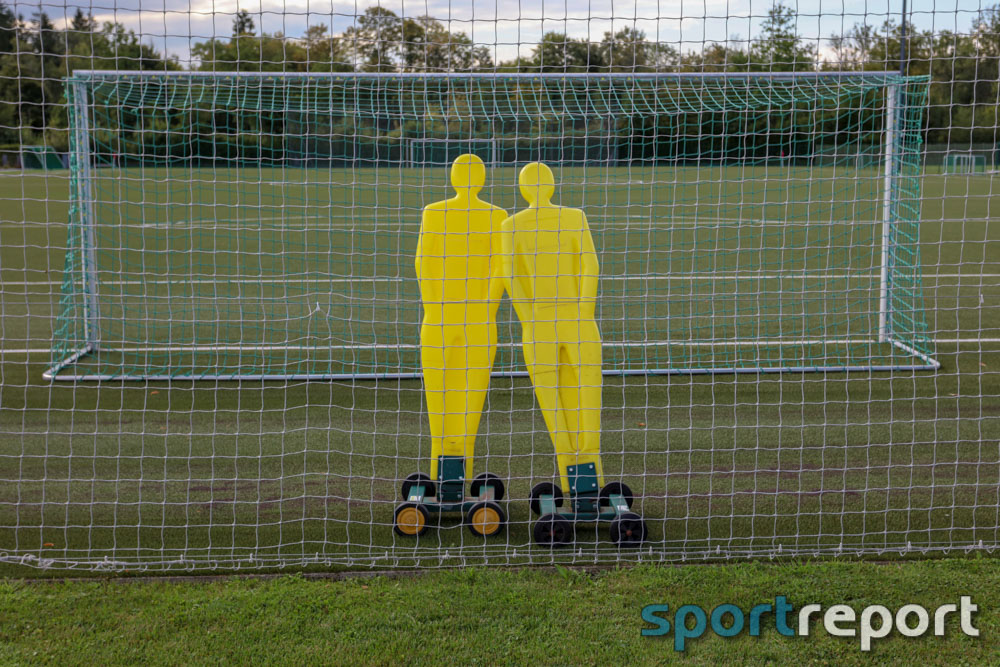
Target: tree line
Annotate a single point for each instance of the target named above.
(35, 56)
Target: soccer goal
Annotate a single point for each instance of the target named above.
(964, 163)
(263, 226)
(441, 152)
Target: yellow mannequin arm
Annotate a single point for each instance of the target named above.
(498, 267)
(506, 242)
(590, 271)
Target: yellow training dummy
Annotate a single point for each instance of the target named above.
(550, 271)
(460, 284)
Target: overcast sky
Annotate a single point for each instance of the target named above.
(509, 26)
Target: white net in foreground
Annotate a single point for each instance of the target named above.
(217, 363)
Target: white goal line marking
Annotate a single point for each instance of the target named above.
(375, 346)
(362, 279)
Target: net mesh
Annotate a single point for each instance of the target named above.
(210, 317)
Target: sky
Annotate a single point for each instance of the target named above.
(509, 27)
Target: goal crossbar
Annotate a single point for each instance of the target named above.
(887, 77)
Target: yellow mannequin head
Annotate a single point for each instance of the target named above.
(468, 175)
(537, 183)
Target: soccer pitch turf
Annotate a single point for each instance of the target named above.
(724, 465)
(308, 272)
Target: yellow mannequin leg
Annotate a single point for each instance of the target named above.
(456, 378)
(545, 378)
(568, 392)
(591, 382)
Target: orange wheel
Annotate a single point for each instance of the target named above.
(485, 519)
(411, 520)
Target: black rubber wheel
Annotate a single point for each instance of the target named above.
(415, 478)
(544, 489)
(616, 488)
(485, 519)
(628, 530)
(487, 479)
(411, 520)
(552, 530)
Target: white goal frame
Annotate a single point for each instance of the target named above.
(79, 85)
(963, 162)
(413, 149)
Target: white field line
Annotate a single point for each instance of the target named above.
(280, 348)
(223, 280)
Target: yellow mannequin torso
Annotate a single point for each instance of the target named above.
(549, 249)
(457, 265)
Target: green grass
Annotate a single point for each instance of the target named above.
(725, 466)
(304, 271)
(481, 616)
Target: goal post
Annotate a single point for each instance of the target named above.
(891, 174)
(270, 234)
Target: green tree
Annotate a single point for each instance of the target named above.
(430, 47)
(374, 41)
(965, 81)
(8, 30)
(243, 23)
(36, 57)
(851, 50)
(716, 57)
(38, 70)
(9, 71)
(779, 47)
(324, 52)
(246, 52)
(557, 52)
(381, 41)
(628, 50)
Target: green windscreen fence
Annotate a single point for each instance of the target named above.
(264, 226)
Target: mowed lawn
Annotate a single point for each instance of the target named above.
(256, 474)
(494, 616)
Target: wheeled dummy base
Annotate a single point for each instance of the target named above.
(424, 497)
(588, 502)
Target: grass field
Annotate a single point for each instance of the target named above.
(254, 474)
(210, 272)
(480, 616)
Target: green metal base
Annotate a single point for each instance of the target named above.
(451, 479)
(451, 489)
(584, 498)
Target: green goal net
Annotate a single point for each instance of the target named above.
(264, 225)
